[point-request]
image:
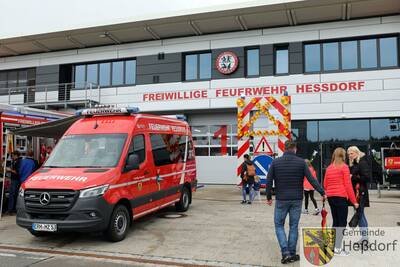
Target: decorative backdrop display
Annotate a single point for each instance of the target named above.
(272, 136)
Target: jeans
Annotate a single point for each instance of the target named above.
(282, 208)
(363, 224)
(251, 191)
(12, 201)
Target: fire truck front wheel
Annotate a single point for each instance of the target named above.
(119, 224)
(184, 202)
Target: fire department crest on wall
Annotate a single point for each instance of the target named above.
(227, 62)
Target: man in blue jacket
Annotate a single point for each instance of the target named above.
(28, 165)
(288, 173)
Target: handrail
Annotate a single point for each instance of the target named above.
(59, 93)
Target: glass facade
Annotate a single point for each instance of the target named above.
(105, 74)
(205, 66)
(330, 56)
(321, 138)
(253, 62)
(281, 60)
(349, 55)
(17, 78)
(198, 67)
(368, 54)
(312, 57)
(388, 51)
(117, 73)
(360, 54)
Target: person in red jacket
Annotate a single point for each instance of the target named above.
(338, 188)
(309, 190)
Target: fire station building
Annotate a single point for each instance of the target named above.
(337, 59)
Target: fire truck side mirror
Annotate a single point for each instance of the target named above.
(132, 162)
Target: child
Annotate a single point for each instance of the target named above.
(256, 187)
(309, 190)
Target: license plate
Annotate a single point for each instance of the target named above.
(44, 227)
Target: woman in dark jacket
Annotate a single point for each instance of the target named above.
(360, 177)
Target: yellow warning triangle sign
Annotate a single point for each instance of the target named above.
(263, 147)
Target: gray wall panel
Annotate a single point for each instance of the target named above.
(163, 78)
(153, 59)
(266, 60)
(47, 69)
(159, 68)
(296, 58)
(168, 69)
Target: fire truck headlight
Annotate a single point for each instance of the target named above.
(94, 191)
(21, 192)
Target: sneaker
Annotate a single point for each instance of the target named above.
(340, 252)
(286, 259)
(294, 258)
(243, 202)
(316, 212)
(305, 212)
(249, 202)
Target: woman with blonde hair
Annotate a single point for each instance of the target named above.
(360, 177)
(339, 190)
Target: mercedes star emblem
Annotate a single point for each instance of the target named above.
(44, 198)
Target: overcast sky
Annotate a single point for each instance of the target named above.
(27, 17)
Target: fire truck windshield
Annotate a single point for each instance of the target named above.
(87, 151)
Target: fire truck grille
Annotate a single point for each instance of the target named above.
(49, 200)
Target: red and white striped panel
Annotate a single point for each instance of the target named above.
(251, 105)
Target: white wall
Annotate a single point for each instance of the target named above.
(216, 170)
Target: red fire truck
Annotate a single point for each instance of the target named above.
(111, 167)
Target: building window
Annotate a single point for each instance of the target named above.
(205, 66)
(215, 140)
(281, 60)
(330, 56)
(253, 62)
(198, 66)
(368, 54)
(349, 55)
(312, 57)
(92, 73)
(117, 73)
(105, 74)
(305, 131)
(385, 129)
(130, 72)
(332, 130)
(388, 52)
(17, 78)
(80, 76)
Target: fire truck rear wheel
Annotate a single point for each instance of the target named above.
(184, 202)
(119, 224)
